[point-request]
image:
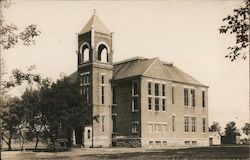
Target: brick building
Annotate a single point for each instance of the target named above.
(139, 102)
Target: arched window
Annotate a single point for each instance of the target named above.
(85, 54)
(102, 53)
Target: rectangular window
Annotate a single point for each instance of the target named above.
(103, 79)
(157, 89)
(173, 123)
(157, 143)
(164, 104)
(114, 123)
(135, 127)
(114, 95)
(157, 104)
(186, 124)
(185, 96)
(203, 99)
(88, 94)
(103, 123)
(173, 95)
(89, 134)
(187, 142)
(149, 103)
(102, 97)
(151, 143)
(194, 143)
(164, 143)
(81, 79)
(134, 88)
(203, 124)
(149, 88)
(81, 90)
(165, 128)
(163, 90)
(193, 97)
(87, 78)
(135, 104)
(150, 128)
(157, 128)
(193, 121)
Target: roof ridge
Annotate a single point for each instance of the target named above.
(137, 58)
(155, 59)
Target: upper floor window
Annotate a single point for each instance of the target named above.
(193, 96)
(163, 90)
(85, 87)
(149, 88)
(157, 104)
(134, 88)
(193, 121)
(103, 123)
(164, 104)
(157, 89)
(186, 124)
(173, 92)
(157, 127)
(149, 103)
(84, 53)
(102, 53)
(173, 123)
(114, 95)
(134, 104)
(114, 122)
(203, 98)
(102, 94)
(185, 96)
(103, 79)
(150, 128)
(164, 127)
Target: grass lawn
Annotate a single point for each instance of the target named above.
(215, 152)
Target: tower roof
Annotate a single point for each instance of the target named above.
(97, 24)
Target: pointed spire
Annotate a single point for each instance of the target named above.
(96, 24)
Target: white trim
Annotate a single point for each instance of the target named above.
(84, 73)
(150, 66)
(104, 43)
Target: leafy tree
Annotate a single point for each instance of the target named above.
(9, 32)
(62, 102)
(12, 118)
(13, 109)
(246, 128)
(34, 118)
(215, 127)
(238, 24)
(231, 132)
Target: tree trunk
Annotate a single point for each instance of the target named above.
(37, 140)
(9, 143)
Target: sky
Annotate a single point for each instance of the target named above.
(184, 32)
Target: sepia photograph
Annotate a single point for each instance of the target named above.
(117, 79)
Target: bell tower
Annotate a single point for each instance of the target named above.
(95, 71)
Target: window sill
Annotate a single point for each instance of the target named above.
(135, 110)
(135, 132)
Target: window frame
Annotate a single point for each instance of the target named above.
(186, 124)
(193, 97)
(186, 98)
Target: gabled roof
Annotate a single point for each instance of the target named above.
(131, 67)
(97, 24)
(146, 67)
